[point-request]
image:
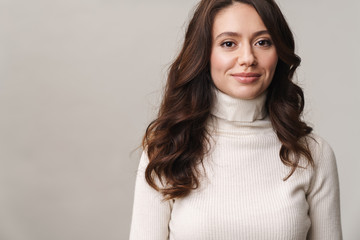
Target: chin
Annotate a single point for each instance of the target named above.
(246, 95)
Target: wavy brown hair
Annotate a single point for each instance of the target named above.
(177, 140)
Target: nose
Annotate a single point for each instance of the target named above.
(246, 56)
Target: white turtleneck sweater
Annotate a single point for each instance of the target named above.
(243, 195)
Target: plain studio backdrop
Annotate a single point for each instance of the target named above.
(81, 79)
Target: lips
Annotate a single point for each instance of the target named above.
(246, 77)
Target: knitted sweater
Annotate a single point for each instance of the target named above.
(242, 194)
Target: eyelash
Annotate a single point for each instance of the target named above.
(267, 42)
(225, 44)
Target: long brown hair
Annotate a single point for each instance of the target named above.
(177, 140)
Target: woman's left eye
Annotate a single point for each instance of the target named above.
(264, 43)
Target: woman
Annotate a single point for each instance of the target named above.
(228, 156)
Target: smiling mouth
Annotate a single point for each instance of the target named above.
(246, 78)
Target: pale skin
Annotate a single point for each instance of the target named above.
(243, 57)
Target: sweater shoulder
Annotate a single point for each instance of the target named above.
(320, 149)
(325, 165)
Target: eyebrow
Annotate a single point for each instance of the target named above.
(235, 34)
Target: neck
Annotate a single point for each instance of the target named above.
(239, 114)
(239, 110)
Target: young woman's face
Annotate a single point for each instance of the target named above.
(243, 57)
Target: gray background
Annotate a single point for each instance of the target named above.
(81, 79)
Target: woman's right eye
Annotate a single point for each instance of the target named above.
(228, 44)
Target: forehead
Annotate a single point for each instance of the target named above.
(238, 17)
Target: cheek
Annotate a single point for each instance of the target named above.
(220, 63)
(270, 63)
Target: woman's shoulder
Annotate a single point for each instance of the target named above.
(317, 142)
(320, 149)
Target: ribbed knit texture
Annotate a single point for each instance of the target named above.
(242, 193)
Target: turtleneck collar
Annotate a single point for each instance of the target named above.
(238, 116)
(239, 110)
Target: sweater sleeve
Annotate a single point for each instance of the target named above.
(323, 196)
(151, 215)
